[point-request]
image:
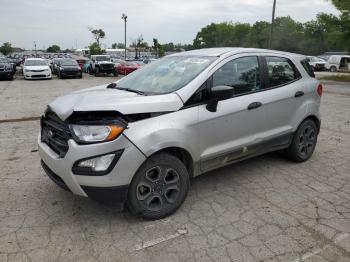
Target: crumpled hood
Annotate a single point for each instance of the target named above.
(101, 98)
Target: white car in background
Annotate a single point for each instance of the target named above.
(317, 63)
(36, 68)
(338, 63)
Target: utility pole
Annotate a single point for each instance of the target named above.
(124, 17)
(272, 23)
(35, 47)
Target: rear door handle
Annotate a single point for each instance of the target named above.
(299, 94)
(254, 105)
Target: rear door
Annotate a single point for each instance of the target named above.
(284, 98)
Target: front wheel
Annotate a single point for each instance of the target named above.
(159, 187)
(304, 142)
(97, 71)
(115, 73)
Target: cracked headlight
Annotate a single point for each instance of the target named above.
(97, 133)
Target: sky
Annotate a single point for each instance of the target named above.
(66, 22)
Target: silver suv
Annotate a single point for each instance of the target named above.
(140, 140)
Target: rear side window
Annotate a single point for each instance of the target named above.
(308, 68)
(281, 71)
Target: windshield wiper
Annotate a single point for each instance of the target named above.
(114, 85)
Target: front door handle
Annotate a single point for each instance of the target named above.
(254, 105)
(299, 94)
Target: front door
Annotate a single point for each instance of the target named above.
(229, 133)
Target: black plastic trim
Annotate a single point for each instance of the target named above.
(55, 178)
(115, 195)
(85, 171)
(229, 157)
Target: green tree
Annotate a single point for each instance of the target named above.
(169, 47)
(97, 34)
(95, 49)
(53, 49)
(259, 35)
(288, 35)
(223, 34)
(117, 45)
(342, 5)
(6, 48)
(139, 44)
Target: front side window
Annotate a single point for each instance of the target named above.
(281, 71)
(242, 74)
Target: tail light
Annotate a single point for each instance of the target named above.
(320, 90)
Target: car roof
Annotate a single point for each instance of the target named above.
(227, 51)
(347, 56)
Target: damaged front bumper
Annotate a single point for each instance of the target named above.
(111, 187)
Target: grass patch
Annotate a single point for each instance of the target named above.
(339, 78)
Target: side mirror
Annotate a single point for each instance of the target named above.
(219, 93)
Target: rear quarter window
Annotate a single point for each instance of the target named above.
(308, 68)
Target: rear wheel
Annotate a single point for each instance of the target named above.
(304, 142)
(333, 69)
(159, 187)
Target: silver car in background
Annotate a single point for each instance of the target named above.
(140, 140)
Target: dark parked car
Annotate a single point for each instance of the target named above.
(54, 65)
(68, 68)
(7, 69)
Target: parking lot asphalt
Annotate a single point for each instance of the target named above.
(263, 209)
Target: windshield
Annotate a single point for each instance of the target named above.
(68, 62)
(35, 63)
(166, 75)
(4, 60)
(103, 58)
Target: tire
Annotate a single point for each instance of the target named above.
(333, 69)
(97, 71)
(159, 187)
(115, 73)
(304, 142)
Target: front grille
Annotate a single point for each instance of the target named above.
(55, 133)
(107, 67)
(70, 72)
(38, 76)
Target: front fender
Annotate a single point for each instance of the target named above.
(176, 129)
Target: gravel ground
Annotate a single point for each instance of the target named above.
(263, 209)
